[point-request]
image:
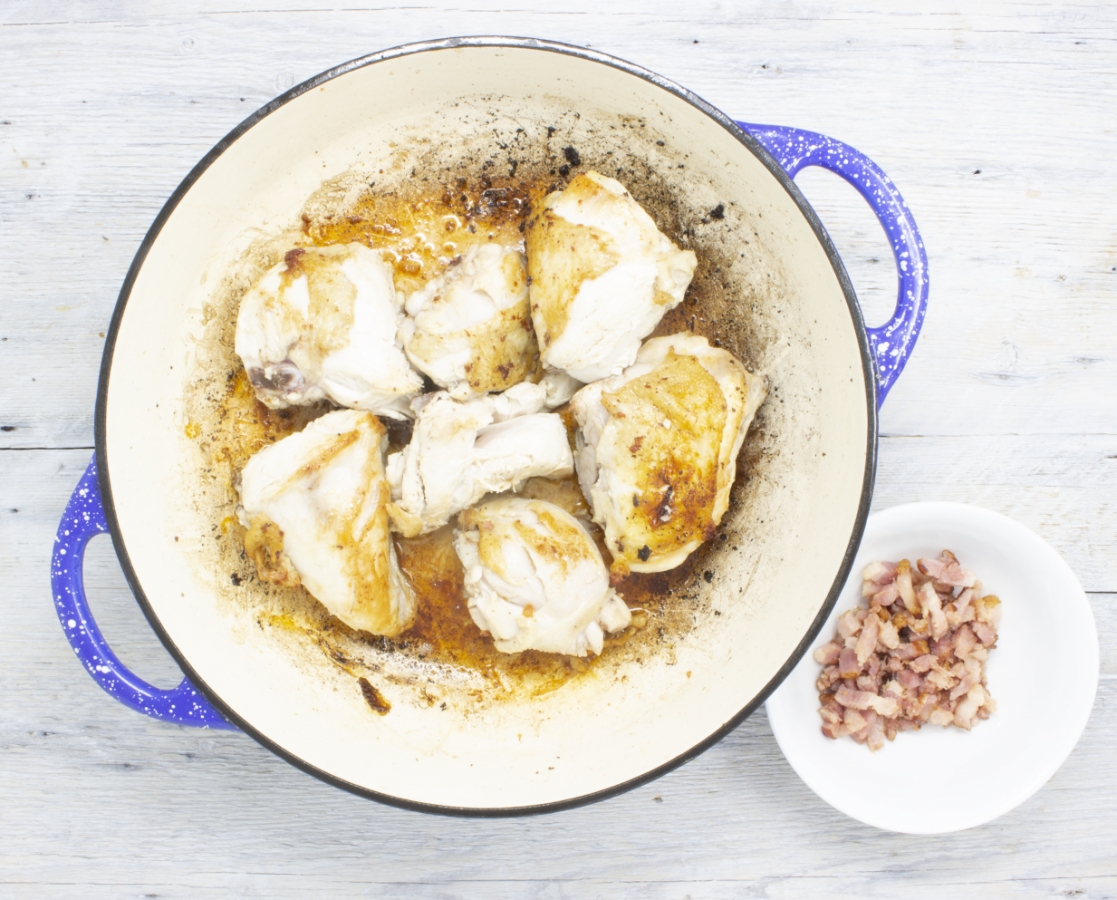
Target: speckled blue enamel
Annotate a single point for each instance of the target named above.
(84, 518)
(891, 343)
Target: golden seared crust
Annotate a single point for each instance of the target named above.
(504, 351)
(560, 257)
(556, 539)
(364, 537)
(263, 542)
(350, 532)
(666, 438)
(501, 350)
(332, 295)
(559, 541)
(369, 546)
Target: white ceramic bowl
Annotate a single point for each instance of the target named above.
(1043, 674)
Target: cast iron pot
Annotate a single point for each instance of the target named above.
(794, 528)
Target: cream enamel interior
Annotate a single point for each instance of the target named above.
(598, 732)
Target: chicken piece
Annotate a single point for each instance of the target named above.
(657, 448)
(534, 578)
(601, 277)
(316, 508)
(460, 451)
(323, 325)
(559, 388)
(470, 328)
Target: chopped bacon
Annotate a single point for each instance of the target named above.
(852, 699)
(848, 666)
(915, 653)
(879, 572)
(987, 634)
(988, 610)
(889, 635)
(849, 624)
(909, 679)
(886, 596)
(904, 586)
(827, 654)
(867, 642)
(923, 663)
(931, 604)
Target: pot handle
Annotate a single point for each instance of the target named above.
(891, 343)
(84, 518)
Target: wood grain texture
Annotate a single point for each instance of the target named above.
(996, 124)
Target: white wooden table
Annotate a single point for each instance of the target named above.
(997, 121)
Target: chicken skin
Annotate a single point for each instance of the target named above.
(323, 324)
(460, 451)
(534, 578)
(601, 277)
(315, 506)
(469, 329)
(657, 448)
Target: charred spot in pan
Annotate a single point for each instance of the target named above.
(293, 258)
(234, 577)
(572, 156)
(373, 697)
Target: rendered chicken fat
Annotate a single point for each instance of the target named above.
(323, 325)
(469, 329)
(315, 506)
(535, 579)
(460, 451)
(602, 276)
(657, 448)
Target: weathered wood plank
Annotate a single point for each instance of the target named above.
(111, 113)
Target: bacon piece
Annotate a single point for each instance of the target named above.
(964, 642)
(849, 624)
(923, 663)
(985, 633)
(963, 686)
(889, 636)
(875, 739)
(853, 720)
(904, 586)
(931, 604)
(988, 610)
(828, 653)
(879, 572)
(966, 711)
(867, 642)
(910, 680)
(848, 666)
(852, 699)
(945, 570)
(886, 596)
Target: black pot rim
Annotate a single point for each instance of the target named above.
(754, 147)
